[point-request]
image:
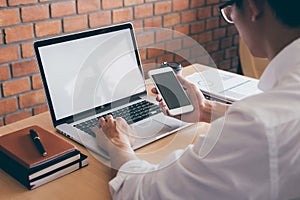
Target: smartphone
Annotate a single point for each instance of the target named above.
(171, 90)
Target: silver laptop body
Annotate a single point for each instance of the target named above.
(93, 73)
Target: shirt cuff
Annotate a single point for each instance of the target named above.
(130, 168)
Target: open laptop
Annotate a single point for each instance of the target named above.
(94, 73)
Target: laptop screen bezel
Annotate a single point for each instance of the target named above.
(75, 36)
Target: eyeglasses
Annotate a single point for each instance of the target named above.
(225, 10)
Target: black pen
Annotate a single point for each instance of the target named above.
(37, 141)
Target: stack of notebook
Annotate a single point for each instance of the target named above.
(21, 158)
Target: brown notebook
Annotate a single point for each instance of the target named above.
(20, 146)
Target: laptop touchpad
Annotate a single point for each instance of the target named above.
(151, 128)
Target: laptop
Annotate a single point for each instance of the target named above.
(98, 72)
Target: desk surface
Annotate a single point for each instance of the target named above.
(91, 182)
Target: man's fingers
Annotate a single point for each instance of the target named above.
(110, 120)
(102, 121)
(159, 98)
(154, 90)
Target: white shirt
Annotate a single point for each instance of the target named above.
(253, 152)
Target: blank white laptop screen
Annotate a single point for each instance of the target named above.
(89, 72)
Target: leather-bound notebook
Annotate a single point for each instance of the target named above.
(20, 146)
(21, 159)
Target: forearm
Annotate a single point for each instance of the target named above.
(119, 156)
(212, 110)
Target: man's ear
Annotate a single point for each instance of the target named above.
(256, 8)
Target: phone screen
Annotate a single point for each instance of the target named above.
(171, 90)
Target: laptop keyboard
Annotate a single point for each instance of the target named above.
(133, 113)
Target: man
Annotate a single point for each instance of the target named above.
(257, 152)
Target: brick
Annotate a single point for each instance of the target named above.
(219, 33)
(173, 45)
(181, 30)
(236, 40)
(138, 26)
(197, 27)
(217, 56)
(9, 119)
(9, 17)
(143, 54)
(152, 52)
(227, 42)
(16, 86)
(205, 60)
(86, 6)
(122, 15)
(222, 21)
(37, 82)
(212, 1)
(3, 3)
(75, 23)
(132, 2)
(100, 19)
(1, 38)
(1, 122)
(235, 62)
(40, 109)
(196, 3)
(60, 9)
(162, 7)
(153, 22)
(189, 42)
(182, 55)
(204, 13)
(27, 50)
(231, 52)
(109, 4)
(143, 11)
(180, 5)
(212, 46)
(172, 19)
(145, 39)
(34, 13)
(8, 105)
(21, 2)
(188, 16)
(47, 28)
(231, 30)
(225, 64)
(216, 11)
(9, 53)
(13, 34)
(163, 35)
(198, 51)
(24, 68)
(212, 23)
(205, 37)
(32, 99)
(4, 73)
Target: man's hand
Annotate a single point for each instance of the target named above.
(117, 138)
(204, 110)
(196, 97)
(116, 133)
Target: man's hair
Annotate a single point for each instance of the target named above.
(286, 11)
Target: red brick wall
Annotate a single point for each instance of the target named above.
(24, 21)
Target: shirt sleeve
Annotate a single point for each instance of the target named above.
(223, 166)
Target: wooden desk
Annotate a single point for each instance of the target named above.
(90, 182)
